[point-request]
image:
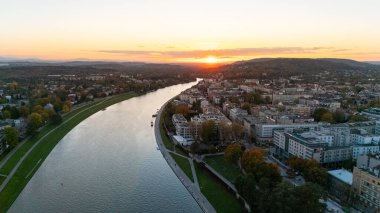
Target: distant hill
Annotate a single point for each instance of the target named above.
(373, 62)
(308, 68)
(26, 69)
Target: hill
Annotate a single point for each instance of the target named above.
(25, 70)
(270, 68)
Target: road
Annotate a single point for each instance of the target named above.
(193, 188)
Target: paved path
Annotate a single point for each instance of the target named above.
(190, 186)
(10, 175)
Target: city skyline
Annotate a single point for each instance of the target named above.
(196, 31)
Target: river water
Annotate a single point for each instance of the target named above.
(109, 163)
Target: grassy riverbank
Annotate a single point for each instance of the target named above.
(165, 138)
(228, 170)
(215, 192)
(48, 141)
(184, 164)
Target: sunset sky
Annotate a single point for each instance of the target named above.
(189, 31)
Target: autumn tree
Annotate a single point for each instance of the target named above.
(225, 131)
(233, 152)
(66, 107)
(11, 136)
(252, 158)
(253, 162)
(237, 131)
(34, 122)
(182, 109)
(208, 131)
(327, 117)
(24, 111)
(312, 171)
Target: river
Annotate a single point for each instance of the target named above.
(109, 163)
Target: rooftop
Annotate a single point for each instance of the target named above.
(342, 175)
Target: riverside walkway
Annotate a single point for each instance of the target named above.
(193, 188)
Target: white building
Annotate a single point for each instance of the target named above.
(316, 145)
(265, 130)
(358, 150)
(182, 127)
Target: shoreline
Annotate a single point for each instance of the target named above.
(203, 203)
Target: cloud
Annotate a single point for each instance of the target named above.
(225, 53)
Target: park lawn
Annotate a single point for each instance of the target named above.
(165, 139)
(228, 170)
(220, 198)
(180, 151)
(35, 158)
(184, 164)
(2, 178)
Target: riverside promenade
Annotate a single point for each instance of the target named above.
(193, 188)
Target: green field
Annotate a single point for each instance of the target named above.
(29, 166)
(221, 199)
(184, 164)
(2, 178)
(228, 170)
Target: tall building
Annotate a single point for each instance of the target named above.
(316, 145)
(366, 181)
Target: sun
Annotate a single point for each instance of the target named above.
(211, 60)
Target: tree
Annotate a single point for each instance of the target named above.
(6, 114)
(182, 109)
(283, 198)
(311, 170)
(253, 162)
(358, 118)
(23, 111)
(237, 130)
(339, 117)
(208, 131)
(66, 106)
(327, 117)
(316, 175)
(246, 106)
(247, 187)
(307, 198)
(11, 136)
(34, 122)
(318, 113)
(14, 113)
(251, 159)
(196, 106)
(233, 152)
(56, 119)
(225, 131)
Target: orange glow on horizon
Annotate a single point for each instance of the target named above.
(211, 60)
